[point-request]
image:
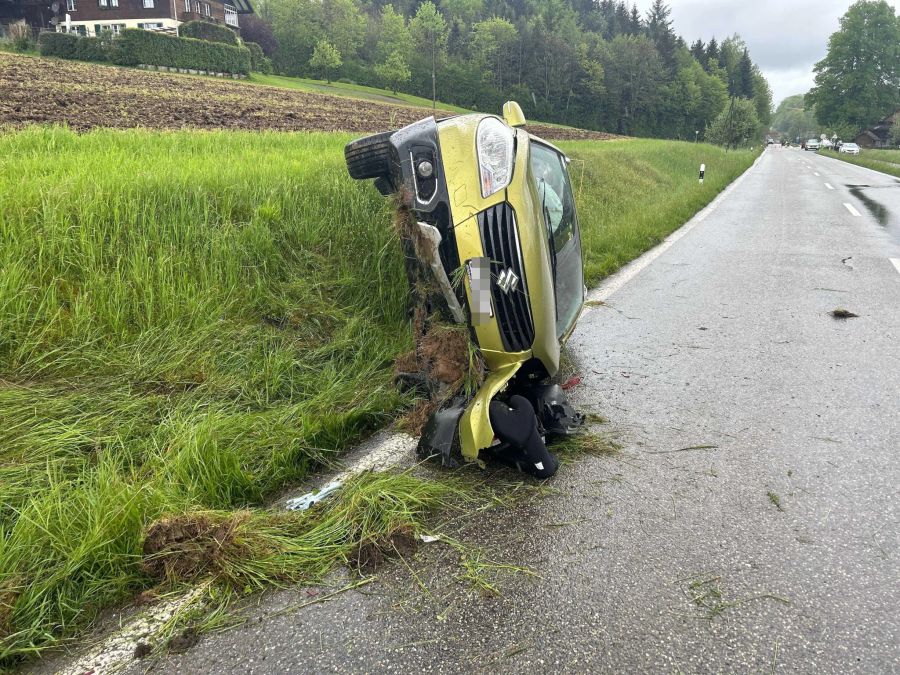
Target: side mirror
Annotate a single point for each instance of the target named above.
(512, 113)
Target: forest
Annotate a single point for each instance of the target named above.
(596, 64)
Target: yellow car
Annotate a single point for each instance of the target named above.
(496, 228)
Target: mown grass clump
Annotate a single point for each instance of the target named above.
(632, 194)
(885, 161)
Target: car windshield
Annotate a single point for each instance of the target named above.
(558, 205)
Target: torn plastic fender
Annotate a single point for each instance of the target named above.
(475, 430)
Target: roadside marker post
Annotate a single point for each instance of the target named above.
(702, 172)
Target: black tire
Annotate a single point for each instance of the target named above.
(369, 157)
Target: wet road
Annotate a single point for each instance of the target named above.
(750, 523)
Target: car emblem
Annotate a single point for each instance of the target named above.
(508, 281)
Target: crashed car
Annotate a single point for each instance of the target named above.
(493, 229)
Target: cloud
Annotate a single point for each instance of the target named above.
(785, 37)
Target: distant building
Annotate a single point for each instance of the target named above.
(878, 136)
(89, 17)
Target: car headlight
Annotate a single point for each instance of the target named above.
(494, 143)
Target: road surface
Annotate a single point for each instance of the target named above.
(750, 523)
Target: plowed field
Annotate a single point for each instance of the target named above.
(84, 96)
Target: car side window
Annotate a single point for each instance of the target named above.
(554, 193)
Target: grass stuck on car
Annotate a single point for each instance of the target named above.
(486, 215)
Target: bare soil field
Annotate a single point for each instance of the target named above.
(86, 95)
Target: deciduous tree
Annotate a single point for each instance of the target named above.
(429, 30)
(394, 71)
(325, 59)
(858, 81)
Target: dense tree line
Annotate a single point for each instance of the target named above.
(592, 63)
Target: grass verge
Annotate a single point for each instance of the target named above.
(189, 321)
(885, 161)
(192, 320)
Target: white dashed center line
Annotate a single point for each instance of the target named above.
(852, 210)
(829, 186)
(896, 262)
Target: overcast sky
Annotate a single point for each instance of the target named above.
(785, 37)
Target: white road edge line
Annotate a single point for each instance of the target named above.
(896, 262)
(852, 211)
(829, 186)
(616, 281)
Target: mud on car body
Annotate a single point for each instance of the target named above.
(491, 229)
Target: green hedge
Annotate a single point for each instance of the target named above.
(135, 46)
(211, 32)
(258, 61)
(70, 46)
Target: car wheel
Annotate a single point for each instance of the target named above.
(369, 157)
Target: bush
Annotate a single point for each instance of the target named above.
(61, 45)
(211, 32)
(90, 49)
(70, 46)
(136, 46)
(258, 61)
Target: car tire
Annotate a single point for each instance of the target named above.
(369, 157)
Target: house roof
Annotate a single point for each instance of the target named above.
(242, 6)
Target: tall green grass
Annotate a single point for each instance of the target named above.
(187, 320)
(190, 321)
(886, 161)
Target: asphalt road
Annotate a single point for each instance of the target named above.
(750, 523)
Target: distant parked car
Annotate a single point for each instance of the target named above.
(849, 149)
(812, 144)
(770, 140)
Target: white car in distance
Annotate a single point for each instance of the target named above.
(849, 149)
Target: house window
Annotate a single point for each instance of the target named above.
(231, 17)
(187, 5)
(103, 3)
(149, 4)
(206, 11)
(70, 5)
(197, 6)
(113, 3)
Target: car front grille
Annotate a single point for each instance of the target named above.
(500, 240)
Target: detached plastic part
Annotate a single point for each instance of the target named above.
(311, 498)
(440, 438)
(522, 446)
(555, 413)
